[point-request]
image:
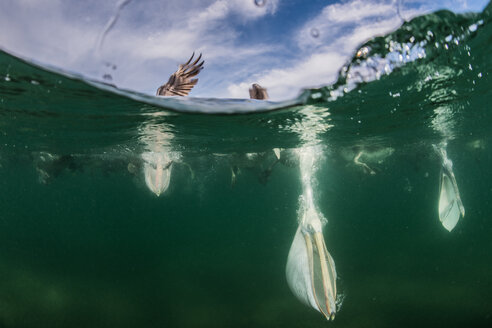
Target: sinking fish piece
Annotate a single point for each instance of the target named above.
(157, 171)
(450, 205)
(310, 270)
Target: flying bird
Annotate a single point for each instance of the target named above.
(181, 82)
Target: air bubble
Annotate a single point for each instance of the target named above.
(314, 32)
(260, 3)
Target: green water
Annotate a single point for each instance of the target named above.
(84, 243)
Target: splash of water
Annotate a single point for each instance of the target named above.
(308, 164)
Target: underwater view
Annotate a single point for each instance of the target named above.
(352, 195)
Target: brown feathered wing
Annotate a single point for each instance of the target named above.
(181, 82)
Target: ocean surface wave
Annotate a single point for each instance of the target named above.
(428, 80)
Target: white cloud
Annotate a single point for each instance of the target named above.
(200, 30)
(165, 33)
(341, 29)
(336, 22)
(411, 8)
(357, 10)
(313, 71)
(221, 9)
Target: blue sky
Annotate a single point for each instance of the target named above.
(241, 42)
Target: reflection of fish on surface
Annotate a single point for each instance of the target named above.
(364, 155)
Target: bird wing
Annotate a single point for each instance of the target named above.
(180, 82)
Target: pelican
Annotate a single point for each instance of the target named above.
(158, 160)
(310, 270)
(450, 205)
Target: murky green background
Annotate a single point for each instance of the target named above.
(100, 250)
